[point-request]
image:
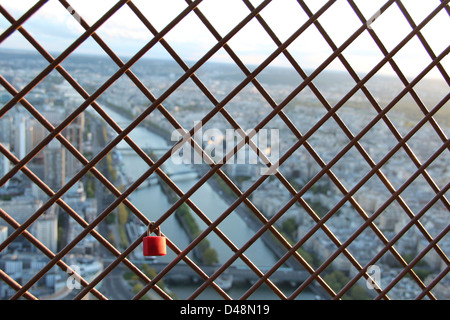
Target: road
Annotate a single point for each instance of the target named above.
(115, 287)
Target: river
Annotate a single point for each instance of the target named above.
(153, 203)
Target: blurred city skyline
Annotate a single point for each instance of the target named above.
(55, 29)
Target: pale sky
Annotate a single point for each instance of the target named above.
(55, 29)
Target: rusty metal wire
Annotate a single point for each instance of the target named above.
(243, 197)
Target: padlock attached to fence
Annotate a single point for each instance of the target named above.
(154, 245)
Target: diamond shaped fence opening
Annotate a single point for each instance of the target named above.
(298, 162)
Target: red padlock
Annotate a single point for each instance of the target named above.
(154, 245)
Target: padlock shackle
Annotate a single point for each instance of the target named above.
(157, 230)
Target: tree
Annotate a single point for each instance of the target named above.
(358, 292)
(289, 226)
(210, 256)
(336, 280)
(123, 214)
(137, 288)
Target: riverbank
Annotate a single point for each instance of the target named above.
(203, 252)
(255, 224)
(246, 215)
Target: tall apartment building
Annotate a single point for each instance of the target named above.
(47, 231)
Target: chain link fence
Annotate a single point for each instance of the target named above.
(348, 200)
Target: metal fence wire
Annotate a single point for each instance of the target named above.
(313, 255)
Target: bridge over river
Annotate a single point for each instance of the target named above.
(183, 272)
(176, 174)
